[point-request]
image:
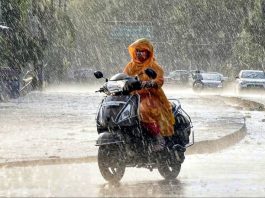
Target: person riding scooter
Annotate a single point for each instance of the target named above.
(155, 109)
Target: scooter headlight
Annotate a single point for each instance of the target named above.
(126, 113)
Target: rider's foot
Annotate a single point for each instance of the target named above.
(159, 144)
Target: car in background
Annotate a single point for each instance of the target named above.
(208, 80)
(194, 71)
(224, 78)
(250, 80)
(178, 77)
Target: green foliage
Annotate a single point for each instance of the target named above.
(248, 52)
(186, 34)
(255, 24)
(36, 30)
(209, 28)
(14, 41)
(61, 36)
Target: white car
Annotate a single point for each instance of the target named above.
(250, 79)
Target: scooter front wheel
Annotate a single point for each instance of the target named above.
(110, 163)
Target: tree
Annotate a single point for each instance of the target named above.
(190, 33)
(255, 29)
(38, 31)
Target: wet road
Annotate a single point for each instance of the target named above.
(60, 122)
(237, 171)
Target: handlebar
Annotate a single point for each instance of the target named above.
(130, 85)
(100, 90)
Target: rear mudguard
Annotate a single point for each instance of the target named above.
(106, 138)
(183, 126)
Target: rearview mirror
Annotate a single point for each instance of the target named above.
(98, 74)
(150, 73)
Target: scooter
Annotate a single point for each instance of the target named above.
(123, 142)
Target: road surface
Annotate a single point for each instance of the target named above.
(236, 171)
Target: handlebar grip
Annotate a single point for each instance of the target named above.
(100, 90)
(137, 85)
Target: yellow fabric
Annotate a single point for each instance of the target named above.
(154, 106)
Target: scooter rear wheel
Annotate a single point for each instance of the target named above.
(169, 171)
(110, 163)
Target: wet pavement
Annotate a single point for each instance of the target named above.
(59, 123)
(236, 171)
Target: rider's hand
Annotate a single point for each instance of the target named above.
(136, 85)
(149, 84)
(131, 86)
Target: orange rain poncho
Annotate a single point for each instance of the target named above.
(154, 106)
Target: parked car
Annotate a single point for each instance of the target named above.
(178, 77)
(250, 79)
(208, 80)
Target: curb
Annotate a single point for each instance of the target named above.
(212, 146)
(44, 162)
